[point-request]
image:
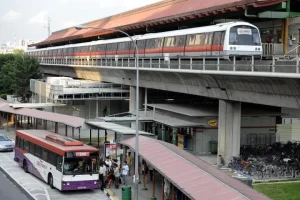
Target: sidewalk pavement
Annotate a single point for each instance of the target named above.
(116, 194)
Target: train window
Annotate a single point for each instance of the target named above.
(159, 42)
(191, 40)
(198, 39)
(150, 44)
(217, 38)
(169, 42)
(255, 36)
(111, 47)
(141, 44)
(100, 47)
(180, 41)
(94, 48)
(222, 37)
(123, 46)
(210, 38)
(244, 35)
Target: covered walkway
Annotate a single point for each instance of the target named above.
(193, 177)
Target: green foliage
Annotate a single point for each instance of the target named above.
(280, 191)
(5, 58)
(15, 76)
(18, 51)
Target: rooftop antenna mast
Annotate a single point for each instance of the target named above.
(48, 26)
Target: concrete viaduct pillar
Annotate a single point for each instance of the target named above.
(229, 130)
(132, 101)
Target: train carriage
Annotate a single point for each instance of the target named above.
(240, 39)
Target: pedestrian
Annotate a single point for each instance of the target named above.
(125, 170)
(117, 176)
(101, 175)
(222, 161)
(150, 168)
(108, 161)
(166, 188)
(129, 161)
(105, 111)
(144, 173)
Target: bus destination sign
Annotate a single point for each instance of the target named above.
(82, 154)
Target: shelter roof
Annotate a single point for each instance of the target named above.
(163, 12)
(194, 177)
(210, 111)
(34, 105)
(115, 127)
(54, 117)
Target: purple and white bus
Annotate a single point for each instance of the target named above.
(62, 162)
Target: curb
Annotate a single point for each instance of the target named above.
(110, 194)
(26, 192)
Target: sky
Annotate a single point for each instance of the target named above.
(27, 19)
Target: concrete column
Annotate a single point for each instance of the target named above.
(229, 129)
(132, 101)
(286, 35)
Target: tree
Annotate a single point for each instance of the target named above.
(18, 51)
(15, 76)
(4, 58)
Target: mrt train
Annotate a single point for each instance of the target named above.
(240, 39)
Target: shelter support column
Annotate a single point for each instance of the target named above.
(105, 138)
(90, 137)
(66, 130)
(73, 132)
(7, 115)
(56, 127)
(98, 138)
(286, 35)
(229, 129)
(153, 185)
(162, 188)
(79, 133)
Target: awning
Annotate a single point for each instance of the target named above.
(154, 116)
(54, 117)
(34, 105)
(194, 177)
(115, 127)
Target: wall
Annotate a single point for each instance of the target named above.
(252, 126)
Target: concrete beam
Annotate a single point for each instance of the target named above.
(277, 14)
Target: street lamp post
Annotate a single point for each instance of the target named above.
(136, 176)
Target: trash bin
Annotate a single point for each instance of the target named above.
(213, 147)
(126, 193)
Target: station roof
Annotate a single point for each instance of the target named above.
(34, 105)
(54, 117)
(163, 12)
(115, 127)
(194, 177)
(211, 111)
(154, 116)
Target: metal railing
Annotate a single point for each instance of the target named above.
(186, 63)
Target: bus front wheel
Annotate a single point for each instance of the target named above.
(25, 166)
(50, 180)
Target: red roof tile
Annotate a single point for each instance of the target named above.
(162, 12)
(194, 177)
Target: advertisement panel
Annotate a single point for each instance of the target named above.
(113, 150)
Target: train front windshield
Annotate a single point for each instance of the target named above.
(244, 35)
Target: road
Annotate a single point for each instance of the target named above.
(9, 191)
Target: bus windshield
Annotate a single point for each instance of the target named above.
(244, 35)
(80, 165)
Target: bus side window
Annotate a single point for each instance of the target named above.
(59, 163)
(45, 155)
(31, 148)
(52, 158)
(38, 151)
(21, 143)
(17, 141)
(26, 145)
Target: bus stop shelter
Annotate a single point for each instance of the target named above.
(189, 174)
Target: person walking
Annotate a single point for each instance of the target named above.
(129, 162)
(117, 176)
(150, 168)
(101, 176)
(144, 173)
(125, 170)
